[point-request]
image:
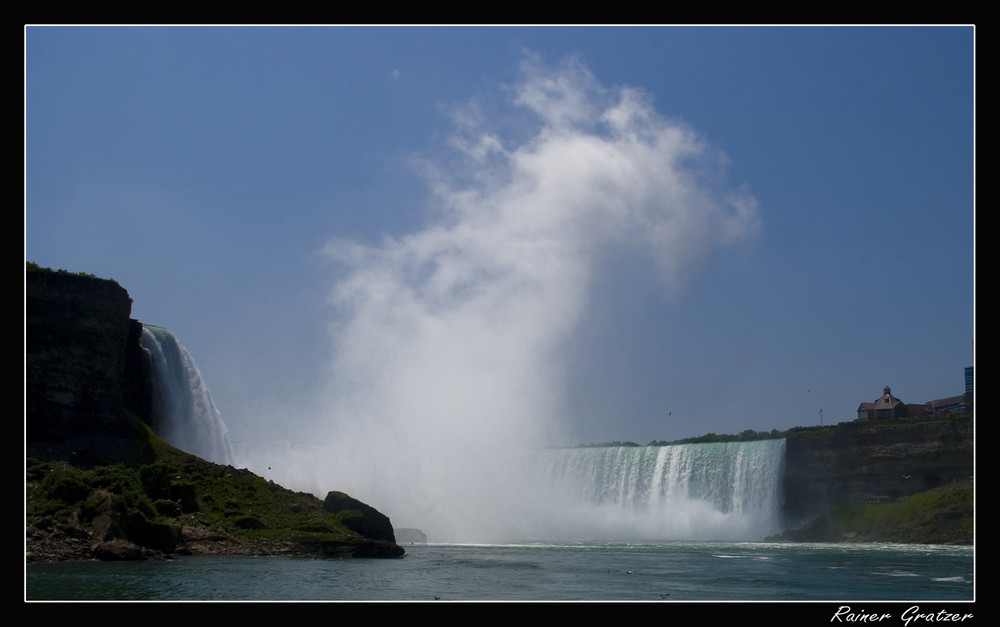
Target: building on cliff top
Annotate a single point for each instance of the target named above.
(885, 407)
(960, 403)
(888, 407)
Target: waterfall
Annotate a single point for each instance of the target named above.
(726, 491)
(714, 491)
(186, 415)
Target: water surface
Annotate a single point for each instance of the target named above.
(662, 572)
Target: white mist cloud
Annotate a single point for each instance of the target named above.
(450, 341)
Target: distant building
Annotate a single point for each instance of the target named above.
(885, 407)
(888, 407)
(960, 403)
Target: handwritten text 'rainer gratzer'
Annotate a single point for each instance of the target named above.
(844, 614)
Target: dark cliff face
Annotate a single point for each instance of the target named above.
(85, 371)
(872, 462)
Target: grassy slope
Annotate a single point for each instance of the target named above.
(943, 515)
(179, 503)
(940, 516)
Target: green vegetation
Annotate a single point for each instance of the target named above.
(31, 266)
(615, 443)
(178, 502)
(940, 516)
(748, 435)
(854, 425)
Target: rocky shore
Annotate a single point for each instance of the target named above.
(47, 543)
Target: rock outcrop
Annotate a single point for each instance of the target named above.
(360, 517)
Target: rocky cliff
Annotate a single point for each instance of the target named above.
(856, 463)
(88, 382)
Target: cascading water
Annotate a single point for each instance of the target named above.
(714, 491)
(727, 491)
(187, 417)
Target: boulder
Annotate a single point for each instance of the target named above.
(359, 517)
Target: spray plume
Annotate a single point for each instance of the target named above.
(450, 343)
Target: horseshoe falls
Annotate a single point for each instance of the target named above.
(712, 491)
(182, 405)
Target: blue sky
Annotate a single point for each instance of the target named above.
(575, 234)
